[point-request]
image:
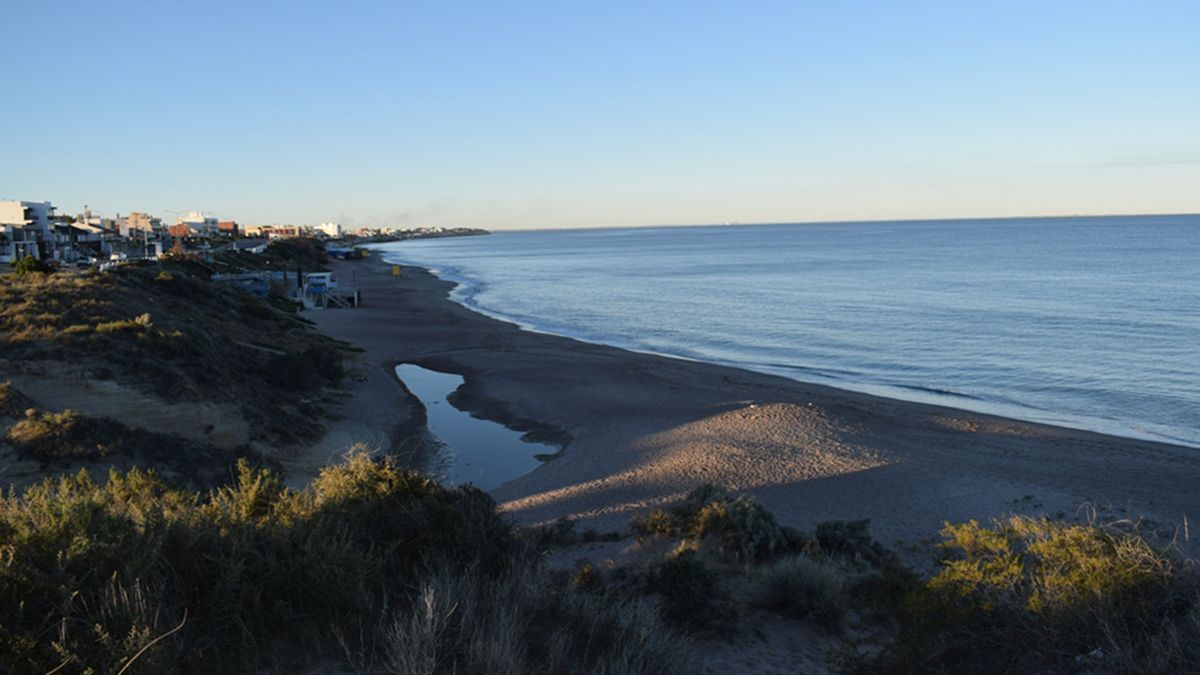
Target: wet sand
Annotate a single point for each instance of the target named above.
(640, 430)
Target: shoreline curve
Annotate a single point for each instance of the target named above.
(641, 430)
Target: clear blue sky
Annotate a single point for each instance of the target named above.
(562, 114)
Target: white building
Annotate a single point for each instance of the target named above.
(331, 230)
(199, 223)
(25, 230)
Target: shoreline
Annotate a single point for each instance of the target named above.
(899, 392)
(640, 430)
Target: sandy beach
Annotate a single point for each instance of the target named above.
(640, 430)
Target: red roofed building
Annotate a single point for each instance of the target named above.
(228, 228)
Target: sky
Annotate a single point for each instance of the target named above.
(591, 114)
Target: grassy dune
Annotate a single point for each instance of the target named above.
(169, 331)
(372, 568)
(165, 337)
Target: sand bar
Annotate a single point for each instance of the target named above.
(641, 430)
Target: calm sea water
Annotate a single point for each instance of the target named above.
(1086, 322)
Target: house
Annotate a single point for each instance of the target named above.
(25, 230)
(138, 224)
(228, 228)
(199, 224)
(322, 291)
(274, 231)
(331, 230)
(87, 236)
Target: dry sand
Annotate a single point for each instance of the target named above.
(640, 430)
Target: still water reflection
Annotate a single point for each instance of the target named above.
(483, 453)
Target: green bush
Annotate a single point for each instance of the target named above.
(31, 265)
(47, 435)
(654, 523)
(849, 538)
(367, 565)
(688, 590)
(558, 534)
(744, 529)
(253, 565)
(800, 587)
(1034, 595)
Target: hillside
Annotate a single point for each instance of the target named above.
(170, 368)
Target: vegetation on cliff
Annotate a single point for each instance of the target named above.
(170, 332)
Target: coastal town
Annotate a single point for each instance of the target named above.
(35, 229)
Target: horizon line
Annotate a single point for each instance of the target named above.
(857, 221)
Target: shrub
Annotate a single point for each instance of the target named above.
(687, 588)
(31, 265)
(12, 402)
(745, 530)
(1035, 595)
(265, 574)
(655, 522)
(68, 438)
(139, 323)
(523, 623)
(588, 578)
(849, 538)
(48, 435)
(380, 566)
(558, 534)
(800, 587)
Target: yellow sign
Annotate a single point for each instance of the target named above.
(395, 270)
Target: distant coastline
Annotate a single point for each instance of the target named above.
(421, 233)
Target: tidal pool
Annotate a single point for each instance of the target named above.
(482, 453)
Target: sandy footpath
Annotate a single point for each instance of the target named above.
(641, 430)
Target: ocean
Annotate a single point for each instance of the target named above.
(1088, 322)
